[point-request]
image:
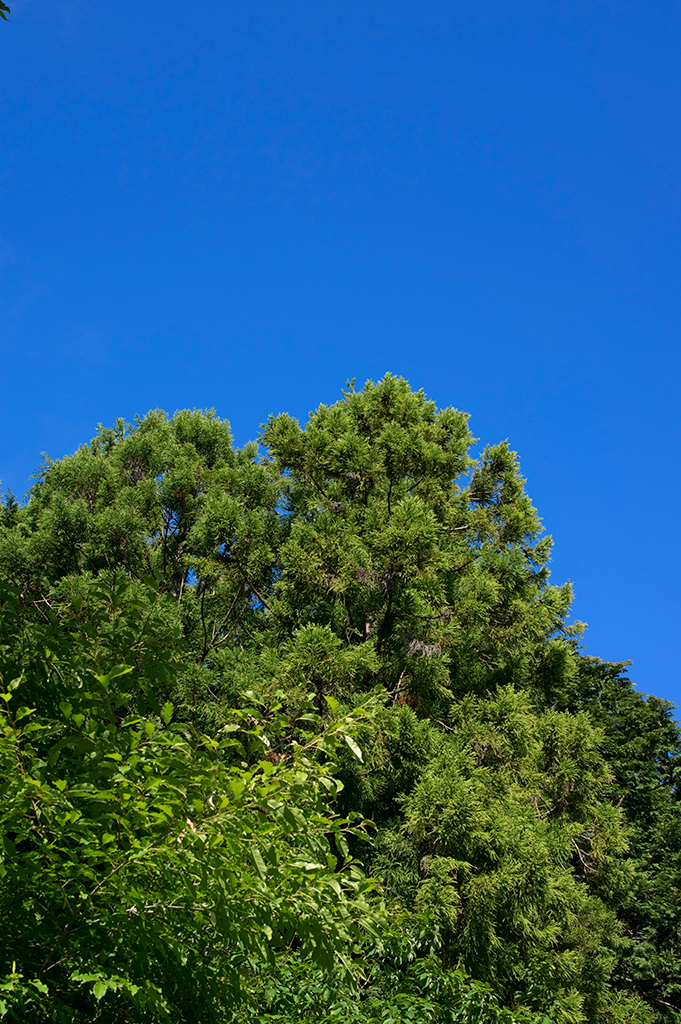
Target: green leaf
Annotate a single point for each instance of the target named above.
(167, 712)
(237, 787)
(116, 672)
(353, 747)
(333, 704)
(294, 816)
(259, 863)
(99, 990)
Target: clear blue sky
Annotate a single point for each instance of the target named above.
(241, 205)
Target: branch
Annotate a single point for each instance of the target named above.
(449, 728)
(250, 584)
(397, 688)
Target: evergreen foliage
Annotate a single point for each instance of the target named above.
(240, 684)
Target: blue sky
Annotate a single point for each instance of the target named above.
(241, 206)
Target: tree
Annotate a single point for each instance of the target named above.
(524, 800)
(445, 581)
(642, 744)
(391, 545)
(518, 852)
(139, 864)
(170, 513)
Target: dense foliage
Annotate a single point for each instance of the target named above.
(300, 731)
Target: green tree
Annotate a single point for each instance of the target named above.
(517, 850)
(642, 744)
(397, 543)
(525, 799)
(146, 868)
(397, 540)
(168, 514)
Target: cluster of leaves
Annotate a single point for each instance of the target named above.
(142, 859)
(525, 798)
(402, 978)
(420, 992)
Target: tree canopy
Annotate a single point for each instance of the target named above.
(301, 730)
